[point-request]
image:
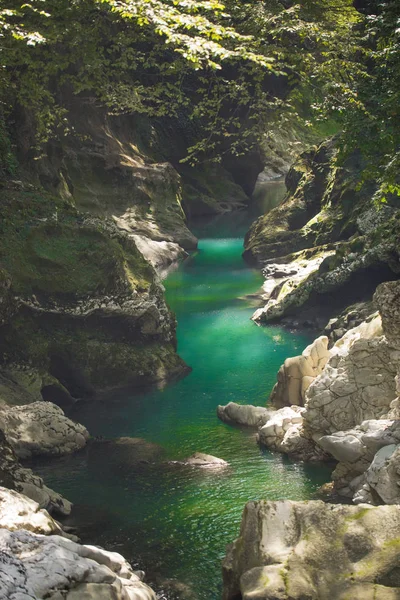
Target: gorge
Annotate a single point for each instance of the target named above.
(199, 300)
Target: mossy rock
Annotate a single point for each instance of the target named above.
(92, 314)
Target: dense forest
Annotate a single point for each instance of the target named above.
(199, 299)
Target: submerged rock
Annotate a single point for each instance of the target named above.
(125, 452)
(244, 414)
(41, 428)
(295, 550)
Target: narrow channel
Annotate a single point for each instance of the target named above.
(175, 523)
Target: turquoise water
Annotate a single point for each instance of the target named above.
(175, 523)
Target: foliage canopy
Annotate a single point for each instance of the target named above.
(232, 68)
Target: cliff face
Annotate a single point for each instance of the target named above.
(328, 242)
(88, 309)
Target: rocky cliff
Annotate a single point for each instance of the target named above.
(328, 244)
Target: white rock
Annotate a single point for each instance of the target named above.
(41, 428)
(291, 550)
(35, 566)
(297, 374)
(244, 414)
(19, 512)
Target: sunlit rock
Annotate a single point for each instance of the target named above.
(292, 550)
(244, 414)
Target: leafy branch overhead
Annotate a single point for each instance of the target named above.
(235, 70)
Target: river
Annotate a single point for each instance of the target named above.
(175, 523)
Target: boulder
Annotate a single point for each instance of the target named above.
(41, 428)
(296, 550)
(284, 432)
(203, 461)
(35, 566)
(296, 374)
(244, 414)
(19, 512)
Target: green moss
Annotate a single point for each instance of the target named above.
(360, 514)
(88, 354)
(63, 258)
(47, 250)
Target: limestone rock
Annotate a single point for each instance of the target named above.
(324, 209)
(41, 428)
(160, 254)
(203, 461)
(297, 373)
(23, 480)
(282, 279)
(244, 414)
(91, 309)
(7, 306)
(19, 512)
(351, 317)
(356, 385)
(35, 566)
(283, 432)
(387, 298)
(361, 441)
(294, 550)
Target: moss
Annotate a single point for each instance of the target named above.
(66, 260)
(88, 354)
(47, 249)
(360, 514)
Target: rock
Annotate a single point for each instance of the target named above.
(16, 477)
(284, 432)
(19, 512)
(35, 566)
(7, 306)
(291, 550)
(362, 441)
(350, 318)
(159, 254)
(244, 414)
(41, 428)
(380, 481)
(324, 210)
(125, 452)
(283, 279)
(91, 309)
(203, 461)
(356, 385)
(387, 298)
(297, 373)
